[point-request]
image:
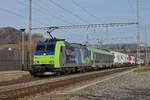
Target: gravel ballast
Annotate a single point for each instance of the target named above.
(131, 86)
(43, 80)
(11, 75)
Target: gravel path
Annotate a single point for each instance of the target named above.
(131, 86)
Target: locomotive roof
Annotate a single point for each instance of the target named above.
(100, 51)
(54, 40)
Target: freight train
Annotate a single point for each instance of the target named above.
(61, 57)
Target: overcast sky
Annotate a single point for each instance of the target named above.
(14, 13)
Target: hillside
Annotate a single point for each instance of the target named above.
(9, 35)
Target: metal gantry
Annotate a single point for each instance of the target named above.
(85, 26)
(52, 28)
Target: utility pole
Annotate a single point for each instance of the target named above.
(138, 29)
(87, 37)
(107, 38)
(100, 43)
(146, 58)
(23, 33)
(30, 37)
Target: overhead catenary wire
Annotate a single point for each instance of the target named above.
(46, 11)
(60, 17)
(21, 3)
(130, 4)
(68, 11)
(86, 11)
(17, 14)
(11, 12)
(21, 18)
(39, 11)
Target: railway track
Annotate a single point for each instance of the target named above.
(56, 85)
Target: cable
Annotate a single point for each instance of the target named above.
(130, 5)
(13, 13)
(21, 3)
(52, 15)
(88, 13)
(45, 11)
(10, 12)
(16, 14)
(68, 11)
(41, 12)
(59, 17)
(25, 5)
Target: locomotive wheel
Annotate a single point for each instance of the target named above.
(34, 75)
(57, 73)
(83, 70)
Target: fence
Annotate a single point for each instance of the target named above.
(11, 60)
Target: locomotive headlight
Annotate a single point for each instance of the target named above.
(36, 62)
(52, 62)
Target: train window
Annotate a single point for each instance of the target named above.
(40, 48)
(85, 52)
(50, 48)
(121, 57)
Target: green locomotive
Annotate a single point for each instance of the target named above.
(62, 57)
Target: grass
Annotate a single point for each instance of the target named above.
(145, 68)
(9, 46)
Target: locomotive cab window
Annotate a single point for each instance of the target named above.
(50, 48)
(45, 48)
(40, 48)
